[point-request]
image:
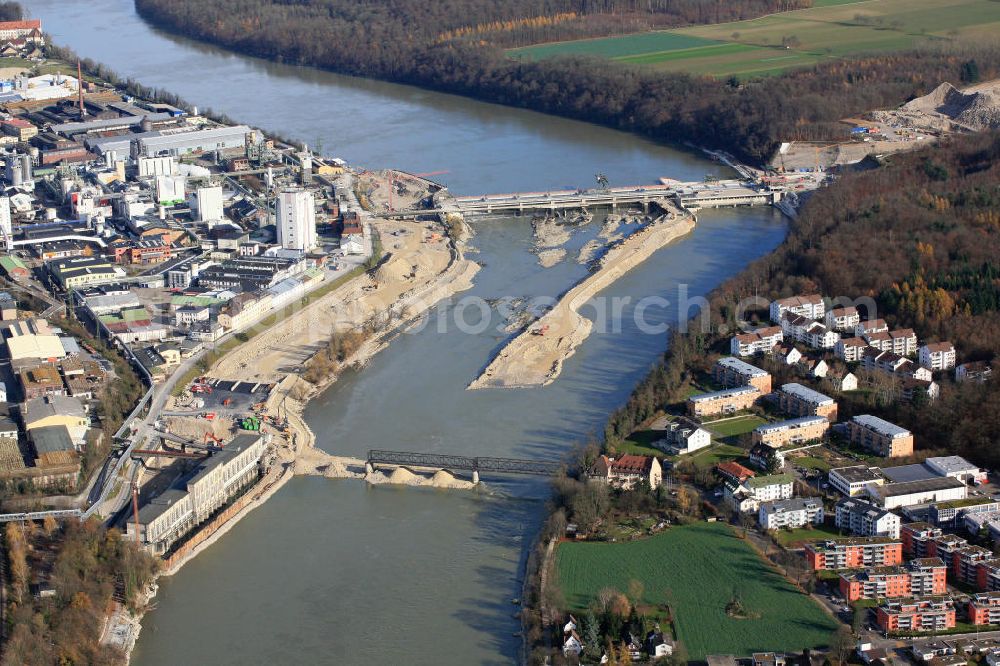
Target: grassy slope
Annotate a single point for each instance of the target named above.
(696, 569)
(828, 30)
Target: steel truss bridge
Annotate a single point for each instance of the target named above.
(475, 465)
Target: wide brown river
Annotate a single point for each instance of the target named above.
(335, 572)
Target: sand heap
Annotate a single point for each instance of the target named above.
(979, 110)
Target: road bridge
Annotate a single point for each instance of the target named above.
(476, 465)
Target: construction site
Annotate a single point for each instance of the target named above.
(945, 110)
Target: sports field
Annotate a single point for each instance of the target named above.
(698, 570)
(772, 44)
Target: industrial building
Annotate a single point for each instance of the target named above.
(249, 273)
(910, 493)
(296, 219)
(174, 142)
(198, 494)
(209, 203)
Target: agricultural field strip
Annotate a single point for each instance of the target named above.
(827, 30)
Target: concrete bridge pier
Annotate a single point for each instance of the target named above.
(369, 468)
(475, 476)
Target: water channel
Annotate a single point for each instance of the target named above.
(335, 572)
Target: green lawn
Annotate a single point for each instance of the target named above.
(830, 29)
(802, 535)
(697, 570)
(640, 443)
(734, 427)
(715, 454)
(811, 462)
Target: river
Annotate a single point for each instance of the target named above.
(336, 572)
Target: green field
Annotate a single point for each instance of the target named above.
(830, 29)
(697, 569)
(734, 427)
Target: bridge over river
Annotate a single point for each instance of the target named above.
(688, 195)
(443, 461)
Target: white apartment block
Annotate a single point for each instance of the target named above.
(810, 307)
(790, 513)
(863, 518)
(843, 319)
(871, 326)
(808, 331)
(904, 342)
(296, 220)
(850, 350)
(938, 356)
(760, 341)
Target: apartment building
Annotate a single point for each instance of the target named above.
(843, 319)
(988, 575)
(854, 480)
(728, 401)
(974, 371)
(928, 614)
(916, 536)
(965, 563)
(808, 331)
(863, 518)
(734, 472)
(903, 341)
(937, 356)
(197, 495)
(730, 371)
(850, 350)
(984, 608)
(854, 553)
(917, 578)
(628, 471)
(683, 436)
(799, 400)
(810, 306)
(870, 326)
(792, 431)
(759, 341)
(879, 436)
(790, 513)
(946, 546)
(748, 495)
(761, 456)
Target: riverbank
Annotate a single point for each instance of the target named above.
(536, 356)
(438, 270)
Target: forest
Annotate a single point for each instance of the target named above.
(61, 581)
(402, 41)
(920, 235)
